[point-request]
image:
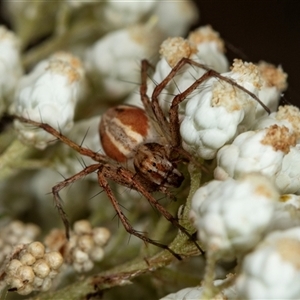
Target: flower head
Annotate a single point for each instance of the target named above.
(271, 151)
(232, 216)
(274, 83)
(50, 95)
(210, 48)
(272, 270)
(113, 61)
(10, 66)
(216, 113)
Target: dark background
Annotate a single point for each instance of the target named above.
(258, 30)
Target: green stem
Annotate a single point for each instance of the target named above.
(209, 290)
(12, 158)
(195, 175)
(61, 41)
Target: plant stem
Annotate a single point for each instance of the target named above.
(12, 158)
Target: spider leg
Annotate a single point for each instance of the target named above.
(104, 173)
(173, 112)
(228, 80)
(127, 178)
(152, 106)
(58, 187)
(143, 87)
(83, 151)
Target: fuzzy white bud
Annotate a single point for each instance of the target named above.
(210, 48)
(271, 151)
(272, 270)
(49, 98)
(231, 216)
(176, 17)
(218, 112)
(113, 61)
(10, 66)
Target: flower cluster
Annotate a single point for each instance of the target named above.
(53, 88)
(232, 215)
(246, 210)
(10, 66)
(84, 247)
(30, 268)
(272, 270)
(14, 233)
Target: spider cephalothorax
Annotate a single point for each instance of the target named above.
(142, 148)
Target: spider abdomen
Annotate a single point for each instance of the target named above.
(122, 129)
(152, 163)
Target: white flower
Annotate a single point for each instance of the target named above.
(287, 115)
(216, 113)
(288, 178)
(272, 271)
(232, 216)
(270, 151)
(176, 17)
(210, 48)
(274, 83)
(42, 66)
(123, 13)
(49, 98)
(114, 61)
(192, 293)
(172, 50)
(10, 66)
(287, 213)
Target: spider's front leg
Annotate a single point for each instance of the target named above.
(58, 187)
(174, 123)
(125, 177)
(78, 148)
(153, 109)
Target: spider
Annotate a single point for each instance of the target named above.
(153, 162)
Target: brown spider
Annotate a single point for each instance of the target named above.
(123, 132)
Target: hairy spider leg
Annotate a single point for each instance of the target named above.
(153, 107)
(104, 173)
(170, 129)
(117, 173)
(127, 178)
(78, 148)
(173, 112)
(61, 185)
